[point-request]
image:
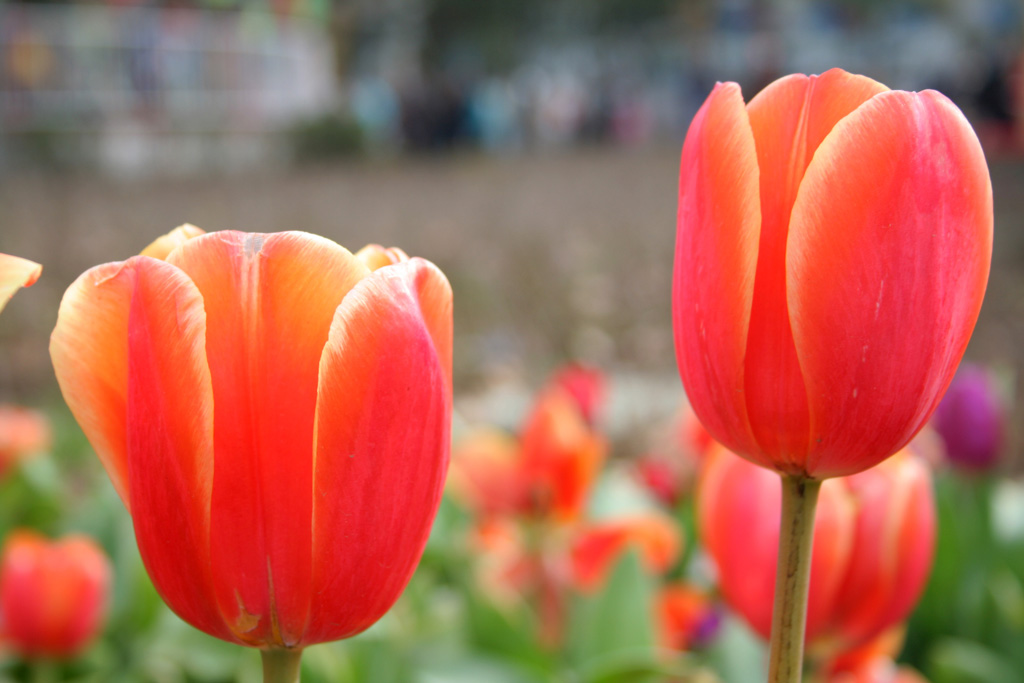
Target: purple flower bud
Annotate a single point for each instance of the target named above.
(971, 419)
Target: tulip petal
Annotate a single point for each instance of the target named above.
(165, 244)
(789, 119)
(716, 257)
(15, 273)
(270, 300)
(383, 422)
(89, 350)
(170, 438)
(888, 256)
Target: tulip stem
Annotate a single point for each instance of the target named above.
(792, 579)
(281, 666)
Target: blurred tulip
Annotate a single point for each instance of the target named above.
(874, 541)
(16, 273)
(276, 416)
(586, 385)
(972, 419)
(738, 507)
(873, 662)
(833, 248)
(23, 433)
(561, 455)
(687, 615)
(53, 595)
(662, 476)
(486, 473)
(599, 546)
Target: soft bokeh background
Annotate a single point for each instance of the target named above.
(529, 148)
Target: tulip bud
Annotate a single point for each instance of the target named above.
(972, 419)
(833, 248)
(275, 413)
(23, 433)
(53, 595)
(688, 617)
(561, 455)
(874, 539)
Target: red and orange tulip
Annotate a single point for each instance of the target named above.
(874, 539)
(833, 247)
(275, 413)
(561, 455)
(53, 595)
(23, 433)
(687, 616)
(16, 273)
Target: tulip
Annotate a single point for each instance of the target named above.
(687, 616)
(16, 273)
(971, 420)
(832, 253)
(486, 473)
(874, 541)
(23, 434)
(833, 248)
(561, 455)
(53, 595)
(586, 385)
(599, 546)
(275, 415)
(873, 662)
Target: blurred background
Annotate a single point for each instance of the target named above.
(530, 149)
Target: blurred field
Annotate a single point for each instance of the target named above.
(552, 256)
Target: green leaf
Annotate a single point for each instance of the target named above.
(617, 622)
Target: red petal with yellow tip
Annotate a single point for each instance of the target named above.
(888, 257)
(16, 273)
(383, 421)
(789, 120)
(170, 438)
(716, 257)
(269, 303)
(89, 351)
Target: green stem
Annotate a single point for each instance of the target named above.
(793, 578)
(281, 666)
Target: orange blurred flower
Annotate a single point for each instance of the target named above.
(275, 414)
(687, 616)
(561, 455)
(486, 473)
(23, 433)
(874, 539)
(873, 662)
(53, 595)
(833, 248)
(16, 273)
(598, 546)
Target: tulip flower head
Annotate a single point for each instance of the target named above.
(16, 273)
(971, 419)
(874, 540)
(275, 414)
(561, 455)
(688, 616)
(23, 434)
(833, 248)
(53, 595)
